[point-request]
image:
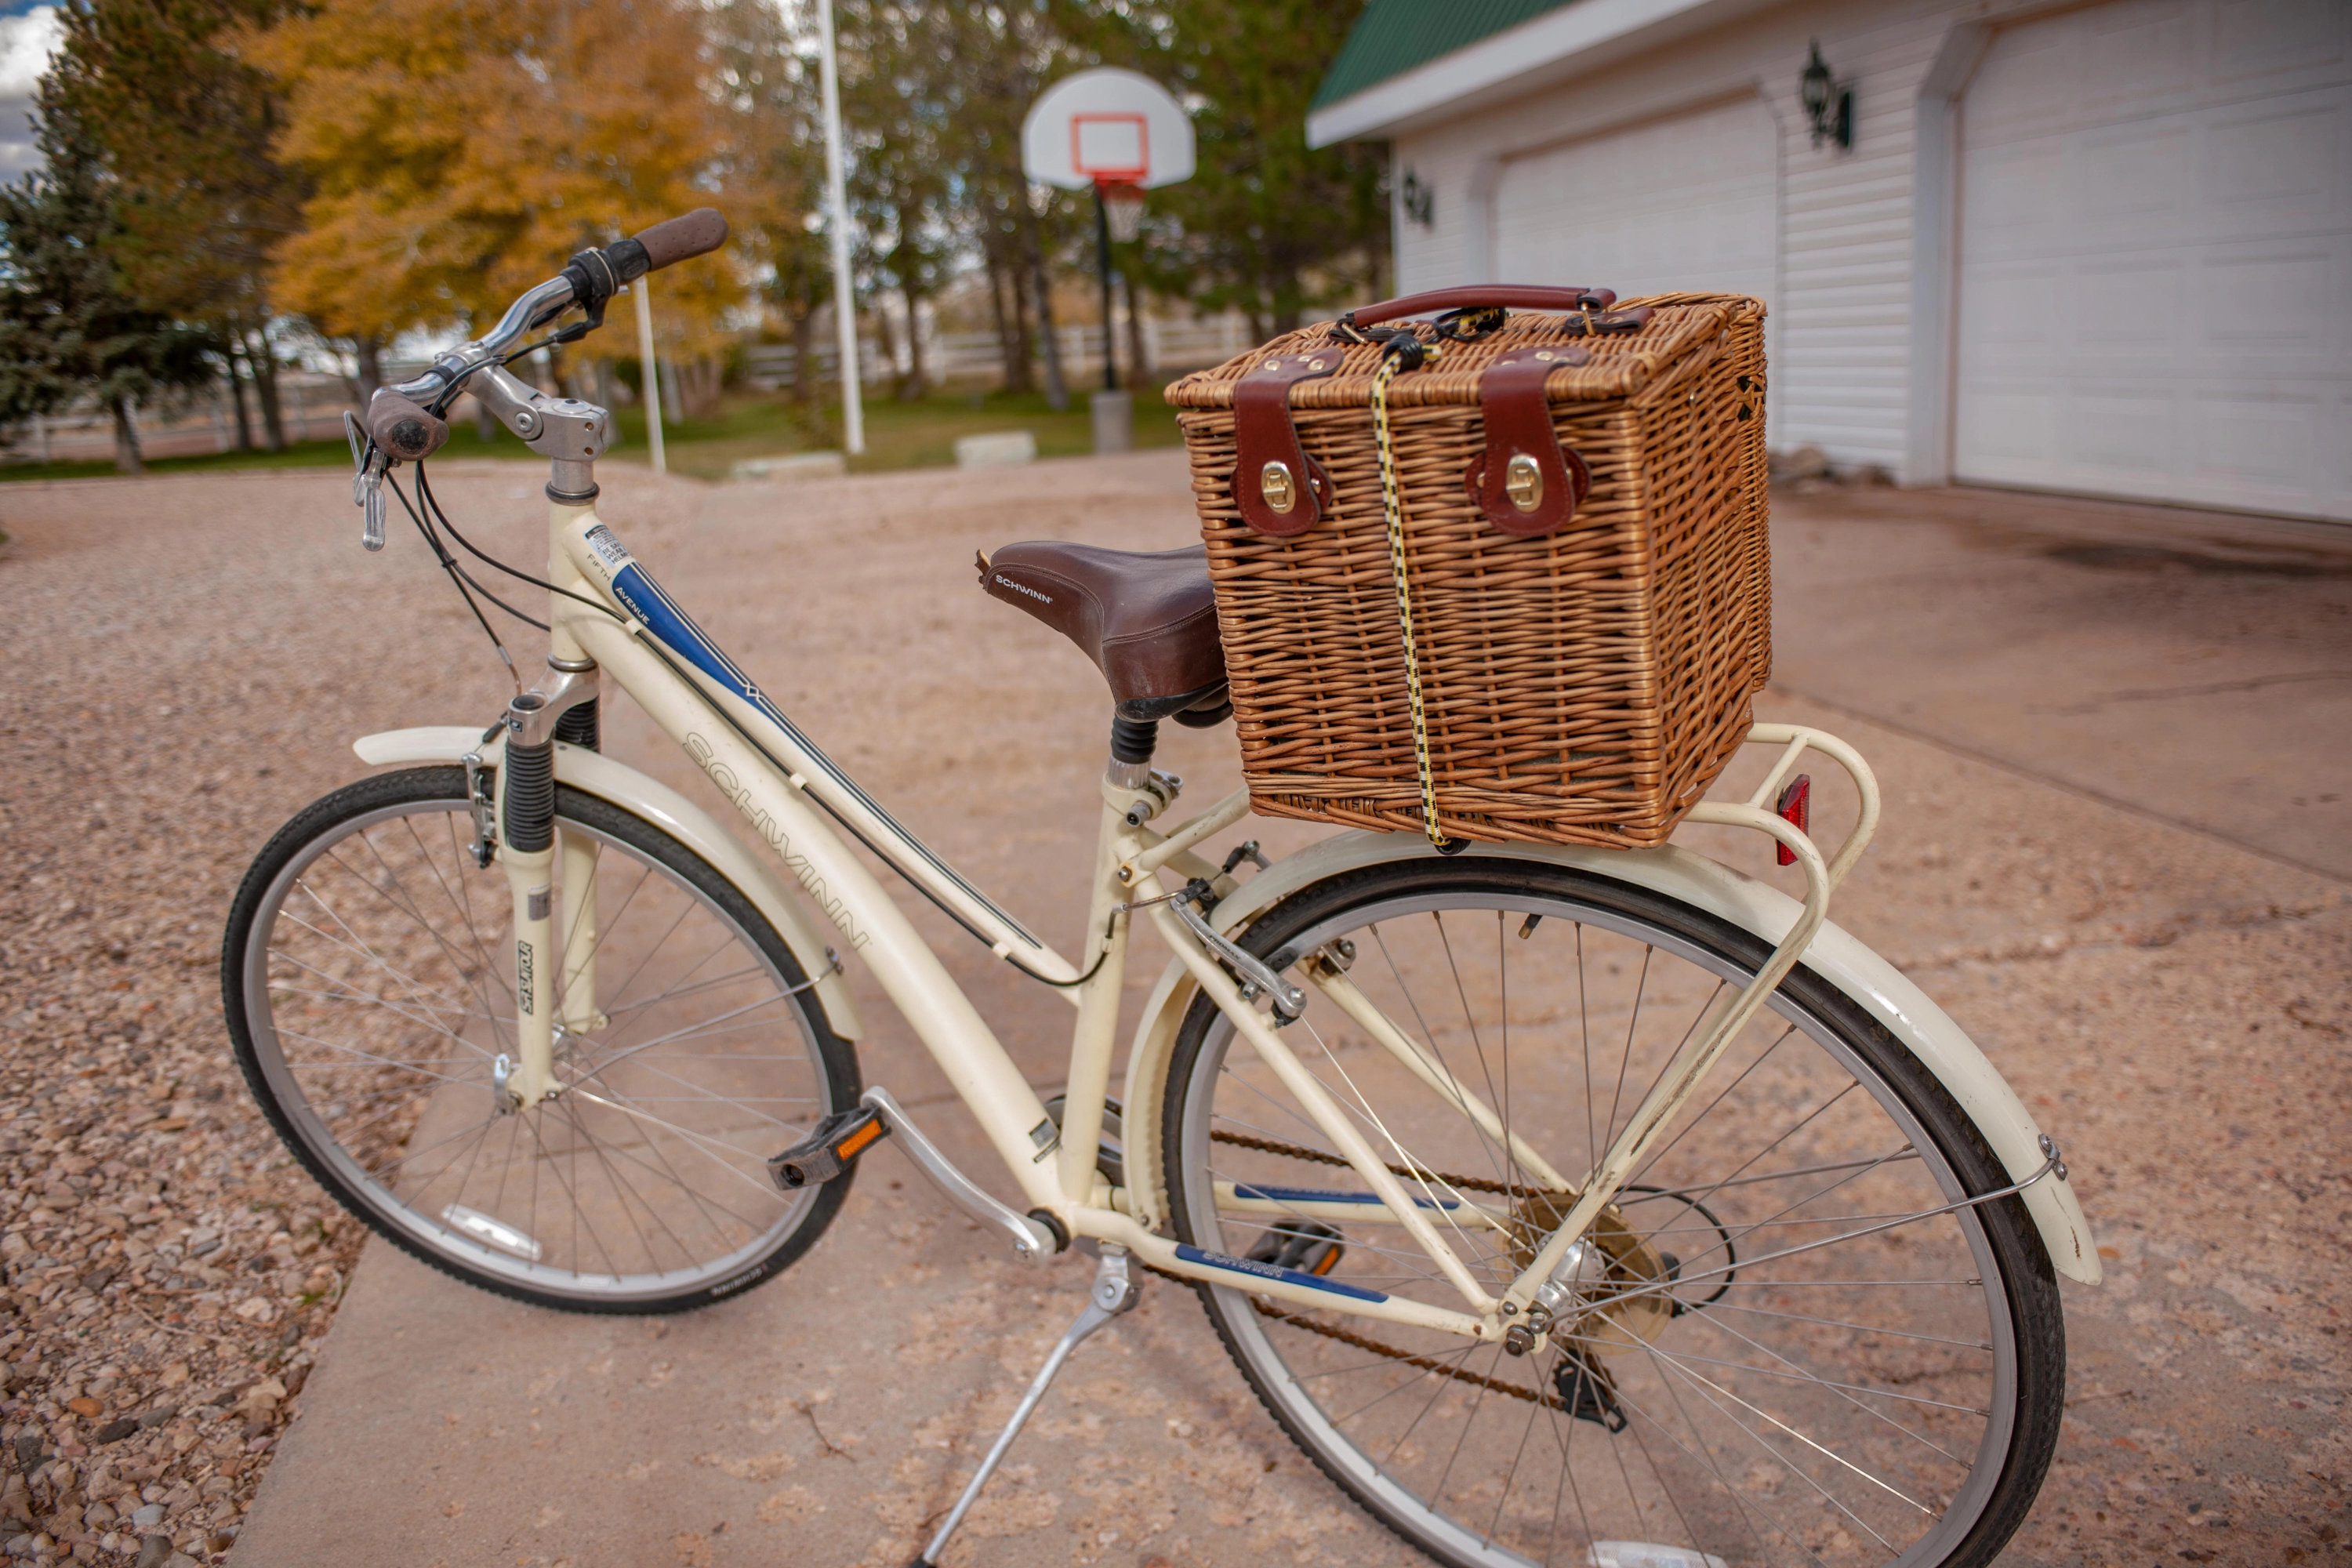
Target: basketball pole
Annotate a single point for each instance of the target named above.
(1102, 253)
(837, 199)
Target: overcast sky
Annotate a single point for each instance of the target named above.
(28, 34)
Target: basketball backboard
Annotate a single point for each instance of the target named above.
(1107, 127)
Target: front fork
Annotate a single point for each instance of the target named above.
(529, 848)
(531, 1076)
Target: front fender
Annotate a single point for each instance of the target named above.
(592, 773)
(1877, 986)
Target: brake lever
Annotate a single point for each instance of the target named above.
(370, 463)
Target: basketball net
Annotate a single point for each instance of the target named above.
(1123, 206)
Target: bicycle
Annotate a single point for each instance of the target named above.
(1598, 1206)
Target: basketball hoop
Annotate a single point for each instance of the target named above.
(1105, 127)
(1123, 207)
(1122, 133)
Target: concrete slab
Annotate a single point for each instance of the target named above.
(2192, 666)
(2137, 903)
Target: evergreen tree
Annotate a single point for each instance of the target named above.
(1266, 223)
(70, 324)
(185, 128)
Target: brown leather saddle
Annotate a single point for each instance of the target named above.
(1148, 620)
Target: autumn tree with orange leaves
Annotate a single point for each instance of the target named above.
(459, 151)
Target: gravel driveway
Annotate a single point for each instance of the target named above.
(191, 656)
(169, 1272)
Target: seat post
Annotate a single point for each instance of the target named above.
(1132, 742)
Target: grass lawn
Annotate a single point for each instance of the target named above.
(747, 425)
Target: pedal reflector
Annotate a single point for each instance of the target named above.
(826, 1153)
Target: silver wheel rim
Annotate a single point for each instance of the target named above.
(1302, 1390)
(675, 1175)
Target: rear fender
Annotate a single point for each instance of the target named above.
(1874, 984)
(592, 773)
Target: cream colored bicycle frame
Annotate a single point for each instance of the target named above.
(787, 789)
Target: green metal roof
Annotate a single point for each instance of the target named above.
(1392, 36)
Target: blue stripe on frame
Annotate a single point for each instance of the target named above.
(1191, 1254)
(1316, 1195)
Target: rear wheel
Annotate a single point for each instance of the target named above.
(369, 987)
(1776, 1352)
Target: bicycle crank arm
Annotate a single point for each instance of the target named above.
(1035, 1236)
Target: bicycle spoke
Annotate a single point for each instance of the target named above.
(1735, 1390)
(383, 1012)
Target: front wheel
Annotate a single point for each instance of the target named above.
(1774, 1350)
(368, 980)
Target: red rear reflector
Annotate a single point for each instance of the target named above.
(1796, 808)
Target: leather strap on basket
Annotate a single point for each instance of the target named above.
(1393, 503)
(1280, 490)
(1528, 483)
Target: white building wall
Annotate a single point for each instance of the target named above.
(1840, 311)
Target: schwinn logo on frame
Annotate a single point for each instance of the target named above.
(778, 840)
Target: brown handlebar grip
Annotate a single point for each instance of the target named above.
(402, 428)
(1525, 295)
(696, 233)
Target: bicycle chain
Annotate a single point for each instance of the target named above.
(1317, 1156)
(1427, 1363)
(1360, 1341)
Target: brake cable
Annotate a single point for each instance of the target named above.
(425, 491)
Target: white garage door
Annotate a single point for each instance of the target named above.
(1680, 204)
(2155, 255)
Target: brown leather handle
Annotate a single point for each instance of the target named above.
(403, 428)
(697, 233)
(1526, 296)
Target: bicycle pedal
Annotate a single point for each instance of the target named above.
(827, 1153)
(1308, 1245)
(1588, 1393)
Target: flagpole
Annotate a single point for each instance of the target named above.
(844, 299)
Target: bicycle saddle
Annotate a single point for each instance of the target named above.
(1148, 620)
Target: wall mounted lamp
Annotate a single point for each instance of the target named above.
(1829, 103)
(1418, 200)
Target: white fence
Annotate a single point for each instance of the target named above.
(978, 358)
(312, 405)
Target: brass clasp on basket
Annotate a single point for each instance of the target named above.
(1523, 482)
(1276, 484)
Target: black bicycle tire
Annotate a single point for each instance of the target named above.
(447, 785)
(2029, 1280)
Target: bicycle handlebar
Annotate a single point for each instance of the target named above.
(697, 233)
(588, 280)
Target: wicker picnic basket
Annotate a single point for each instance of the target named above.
(1571, 520)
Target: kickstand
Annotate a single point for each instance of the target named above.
(1113, 1293)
